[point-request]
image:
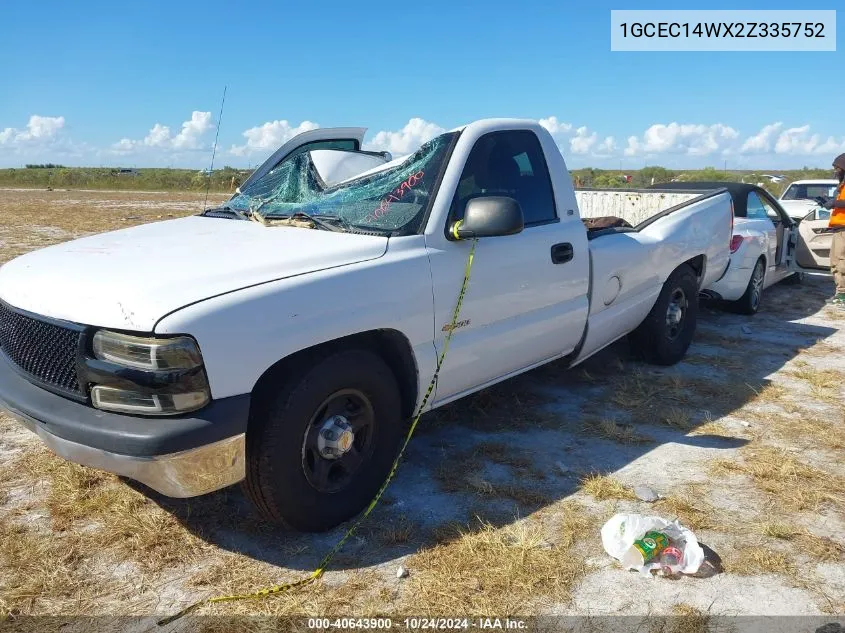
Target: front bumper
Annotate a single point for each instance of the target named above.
(176, 456)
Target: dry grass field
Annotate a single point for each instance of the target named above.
(498, 506)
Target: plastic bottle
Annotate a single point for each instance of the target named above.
(645, 549)
(671, 561)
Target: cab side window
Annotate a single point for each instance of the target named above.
(512, 164)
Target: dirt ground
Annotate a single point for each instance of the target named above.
(498, 506)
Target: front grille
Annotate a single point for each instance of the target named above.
(44, 350)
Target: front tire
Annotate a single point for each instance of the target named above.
(666, 333)
(322, 443)
(749, 302)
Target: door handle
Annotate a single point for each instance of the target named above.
(562, 253)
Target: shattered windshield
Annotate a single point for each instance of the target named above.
(390, 200)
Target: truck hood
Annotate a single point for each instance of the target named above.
(797, 209)
(132, 277)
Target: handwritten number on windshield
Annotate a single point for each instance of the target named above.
(395, 196)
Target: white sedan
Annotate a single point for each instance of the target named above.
(802, 196)
(759, 246)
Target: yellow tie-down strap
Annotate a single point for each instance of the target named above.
(276, 589)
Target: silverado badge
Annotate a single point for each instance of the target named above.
(449, 326)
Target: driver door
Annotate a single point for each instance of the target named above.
(527, 297)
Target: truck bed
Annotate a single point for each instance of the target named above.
(629, 265)
(636, 206)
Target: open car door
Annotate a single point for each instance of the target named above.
(811, 242)
(344, 138)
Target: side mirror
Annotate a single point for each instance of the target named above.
(489, 216)
(821, 214)
(816, 214)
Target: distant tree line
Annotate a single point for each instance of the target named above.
(146, 179)
(228, 178)
(589, 177)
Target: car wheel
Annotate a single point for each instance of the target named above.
(749, 302)
(666, 333)
(321, 445)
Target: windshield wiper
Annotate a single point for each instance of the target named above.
(229, 211)
(326, 222)
(318, 220)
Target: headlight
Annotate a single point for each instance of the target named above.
(151, 354)
(162, 376)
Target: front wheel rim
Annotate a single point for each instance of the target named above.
(331, 473)
(676, 311)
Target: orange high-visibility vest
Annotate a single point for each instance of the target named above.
(837, 216)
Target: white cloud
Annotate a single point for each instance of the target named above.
(677, 138)
(775, 145)
(762, 141)
(43, 127)
(634, 146)
(606, 148)
(796, 140)
(192, 131)
(416, 132)
(583, 141)
(159, 136)
(707, 140)
(39, 130)
(123, 146)
(580, 141)
(831, 146)
(799, 141)
(269, 136)
(556, 128)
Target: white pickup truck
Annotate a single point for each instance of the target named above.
(285, 338)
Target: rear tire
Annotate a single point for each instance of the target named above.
(666, 333)
(749, 302)
(288, 476)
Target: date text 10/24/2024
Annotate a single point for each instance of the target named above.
(415, 624)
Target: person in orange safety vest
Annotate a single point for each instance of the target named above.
(837, 226)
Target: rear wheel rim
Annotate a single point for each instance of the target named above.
(676, 312)
(757, 285)
(333, 474)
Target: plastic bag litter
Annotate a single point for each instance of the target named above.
(620, 532)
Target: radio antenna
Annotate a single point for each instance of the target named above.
(214, 151)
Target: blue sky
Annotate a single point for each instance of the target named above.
(139, 83)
